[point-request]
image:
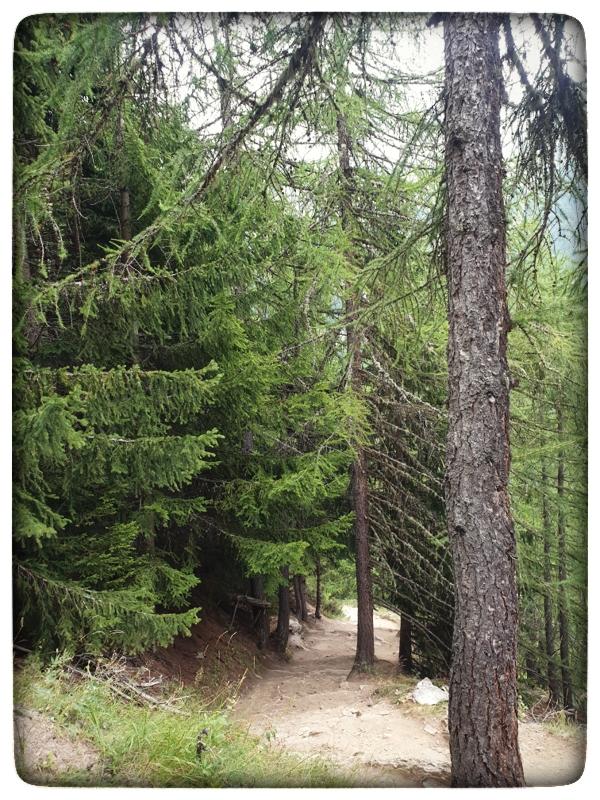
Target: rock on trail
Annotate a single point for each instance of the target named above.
(309, 707)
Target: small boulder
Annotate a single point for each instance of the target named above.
(295, 626)
(426, 694)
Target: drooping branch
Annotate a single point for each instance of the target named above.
(297, 69)
(567, 97)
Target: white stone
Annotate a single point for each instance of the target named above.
(426, 694)
(295, 626)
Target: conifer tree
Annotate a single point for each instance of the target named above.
(107, 439)
(483, 683)
(230, 288)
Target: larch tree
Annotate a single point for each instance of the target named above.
(483, 682)
(229, 299)
(365, 640)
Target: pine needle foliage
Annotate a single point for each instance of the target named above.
(186, 249)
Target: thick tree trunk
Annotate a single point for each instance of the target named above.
(549, 643)
(405, 650)
(365, 639)
(563, 609)
(283, 615)
(318, 590)
(483, 681)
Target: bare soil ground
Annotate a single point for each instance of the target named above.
(43, 751)
(308, 706)
(364, 726)
(213, 659)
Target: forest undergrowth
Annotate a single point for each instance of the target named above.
(139, 745)
(76, 726)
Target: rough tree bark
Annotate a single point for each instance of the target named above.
(563, 610)
(297, 600)
(283, 615)
(549, 642)
(365, 638)
(483, 680)
(405, 649)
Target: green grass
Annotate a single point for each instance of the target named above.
(142, 746)
(560, 724)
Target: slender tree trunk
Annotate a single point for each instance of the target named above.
(23, 275)
(405, 651)
(223, 81)
(365, 638)
(530, 668)
(297, 598)
(483, 680)
(302, 588)
(563, 608)
(260, 615)
(125, 230)
(318, 591)
(549, 643)
(124, 196)
(283, 616)
(224, 84)
(125, 216)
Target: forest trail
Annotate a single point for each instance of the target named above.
(309, 707)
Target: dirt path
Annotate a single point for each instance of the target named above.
(308, 706)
